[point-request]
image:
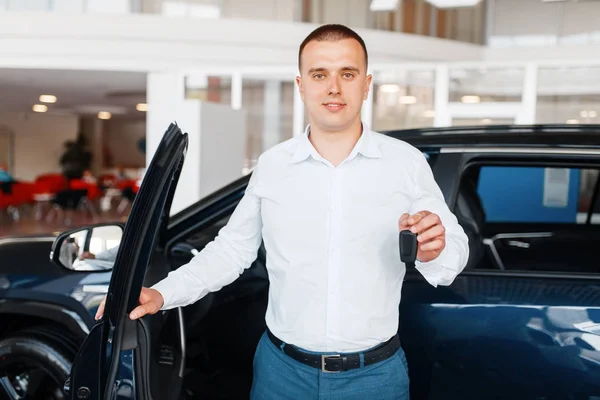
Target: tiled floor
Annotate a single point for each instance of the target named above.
(28, 224)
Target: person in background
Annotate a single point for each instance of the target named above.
(88, 177)
(121, 174)
(5, 176)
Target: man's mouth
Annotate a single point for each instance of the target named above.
(333, 106)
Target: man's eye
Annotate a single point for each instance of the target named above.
(318, 76)
(348, 75)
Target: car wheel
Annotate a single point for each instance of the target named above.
(34, 366)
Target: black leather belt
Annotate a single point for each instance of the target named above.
(339, 363)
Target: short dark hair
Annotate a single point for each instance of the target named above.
(332, 33)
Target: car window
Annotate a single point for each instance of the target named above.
(529, 218)
(199, 239)
(537, 194)
(431, 157)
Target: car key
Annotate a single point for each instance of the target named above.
(408, 247)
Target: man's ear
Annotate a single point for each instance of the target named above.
(368, 85)
(300, 89)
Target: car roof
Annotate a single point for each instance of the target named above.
(568, 136)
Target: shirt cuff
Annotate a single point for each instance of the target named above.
(167, 288)
(441, 270)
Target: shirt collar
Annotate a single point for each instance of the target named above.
(365, 145)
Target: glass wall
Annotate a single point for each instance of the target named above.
(403, 99)
(436, 18)
(543, 23)
(213, 88)
(268, 104)
(568, 94)
(187, 8)
(269, 107)
(485, 84)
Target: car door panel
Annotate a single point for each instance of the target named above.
(510, 337)
(125, 351)
(530, 331)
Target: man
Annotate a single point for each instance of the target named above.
(329, 206)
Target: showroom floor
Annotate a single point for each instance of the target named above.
(28, 224)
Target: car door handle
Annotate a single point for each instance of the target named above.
(183, 249)
(519, 243)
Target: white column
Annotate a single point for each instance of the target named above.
(236, 91)
(217, 137)
(398, 17)
(165, 95)
(165, 92)
(367, 108)
(490, 22)
(298, 112)
(527, 112)
(441, 95)
(419, 11)
(271, 114)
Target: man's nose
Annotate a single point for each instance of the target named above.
(334, 85)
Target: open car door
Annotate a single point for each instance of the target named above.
(124, 359)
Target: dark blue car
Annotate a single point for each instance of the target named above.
(521, 322)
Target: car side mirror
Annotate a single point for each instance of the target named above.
(87, 249)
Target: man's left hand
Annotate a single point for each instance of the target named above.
(431, 234)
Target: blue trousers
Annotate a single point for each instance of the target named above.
(280, 377)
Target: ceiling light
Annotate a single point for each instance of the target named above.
(593, 114)
(453, 3)
(471, 99)
(407, 99)
(429, 113)
(40, 108)
(104, 115)
(583, 114)
(572, 121)
(383, 5)
(48, 98)
(389, 88)
(141, 107)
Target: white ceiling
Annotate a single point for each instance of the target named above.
(78, 92)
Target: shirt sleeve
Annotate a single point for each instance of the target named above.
(221, 261)
(108, 255)
(453, 259)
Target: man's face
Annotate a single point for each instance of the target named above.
(333, 83)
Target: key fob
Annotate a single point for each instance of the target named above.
(408, 246)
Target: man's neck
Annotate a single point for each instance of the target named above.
(335, 146)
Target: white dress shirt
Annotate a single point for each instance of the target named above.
(331, 238)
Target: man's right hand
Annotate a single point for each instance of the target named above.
(87, 255)
(150, 303)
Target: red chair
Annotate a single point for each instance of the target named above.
(93, 191)
(45, 188)
(50, 184)
(15, 195)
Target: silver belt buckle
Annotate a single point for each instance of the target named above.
(323, 357)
